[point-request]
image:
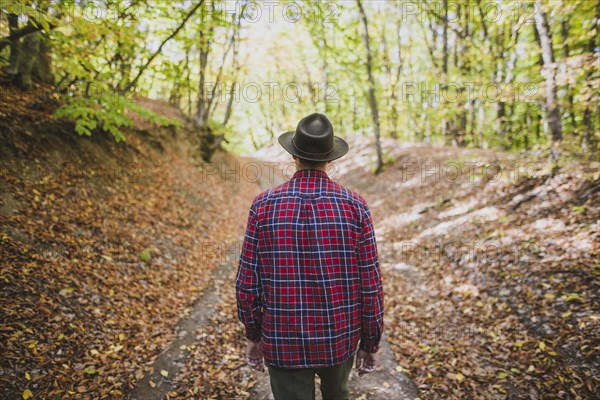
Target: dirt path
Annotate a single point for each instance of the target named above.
(169, 369)
(166, 367)
(452, 321)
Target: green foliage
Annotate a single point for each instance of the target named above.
(90, 371)
(106, 114)
(578, 209)
(145, 255)
(485, 87)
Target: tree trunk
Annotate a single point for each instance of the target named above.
(372, 98)
(541, 24)
(28, 55)
(394, 96)
(500, 105)
(15, 46)
(236, 70)
(445, 122)
(564, 30)
(202, 110)
(42, 68)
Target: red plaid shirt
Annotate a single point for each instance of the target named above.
(308, 284)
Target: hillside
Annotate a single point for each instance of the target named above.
(104, 248)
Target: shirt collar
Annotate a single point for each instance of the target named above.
(310, 173)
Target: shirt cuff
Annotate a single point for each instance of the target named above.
(369, 346)
(253, 335)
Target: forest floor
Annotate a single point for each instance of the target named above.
(118, 264)
(490, 268)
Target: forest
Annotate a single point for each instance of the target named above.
(517, 75)
(136, 133)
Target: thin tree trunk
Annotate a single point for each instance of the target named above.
(445, 122)
(202, 110)
(187, 82)
(372, 98)
(564, 30)
(212, 104)
(499, 78)
(394, 95)
(541, 24)
(236, 70)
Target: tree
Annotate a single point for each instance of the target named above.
(541, 25)
(29, 45)
(372, 98)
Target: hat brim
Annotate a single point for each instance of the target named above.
(340, 147)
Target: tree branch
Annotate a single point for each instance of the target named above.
(157, 52)
(26, 30)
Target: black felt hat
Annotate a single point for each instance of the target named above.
(313, 140)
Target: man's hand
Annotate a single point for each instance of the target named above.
(254, 356)
(366, 362)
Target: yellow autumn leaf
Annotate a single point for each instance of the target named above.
(164, 373)
(542, 346)
(27, 376)
(459, 377)
(121, 336)
(27, 394)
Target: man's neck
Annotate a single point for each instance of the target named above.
(306, 168)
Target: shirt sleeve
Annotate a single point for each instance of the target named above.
(371, 289)
(247, 284)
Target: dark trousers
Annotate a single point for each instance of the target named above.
(299, 383)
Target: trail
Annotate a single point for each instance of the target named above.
(489, 269)
(120, 283)
(170, 370)
(160, 381)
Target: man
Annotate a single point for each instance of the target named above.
(308, 285)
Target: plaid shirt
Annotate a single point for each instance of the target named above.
(308, 285)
